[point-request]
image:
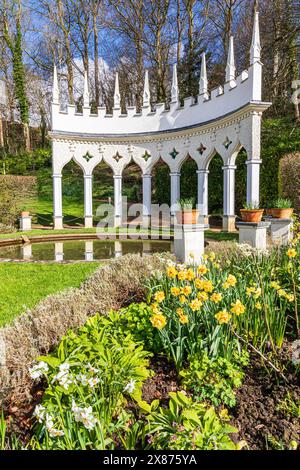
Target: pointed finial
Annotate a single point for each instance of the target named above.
(230, 68)
(175, 90)
(203, 84)
(55, 92)
(255, 50)
(146, 94)
(117, 97)
(86, 93)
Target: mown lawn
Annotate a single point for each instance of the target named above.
(24, 285)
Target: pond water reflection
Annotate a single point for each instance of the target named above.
(82, 250)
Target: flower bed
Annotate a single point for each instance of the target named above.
(174, 371)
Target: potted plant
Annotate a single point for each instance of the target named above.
(24, 213)
(269, 209)
(252, 213)
(282, 209)
(188, 214)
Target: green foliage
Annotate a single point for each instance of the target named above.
(289, 179)
(89, 379)
(289, 407)
(135, 320)
(187, 203)
(282, 203)
(251, 207)
(214, 379)
(186, 425)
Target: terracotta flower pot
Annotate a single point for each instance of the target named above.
(188, 217)
(24, 214)
(252, 215)
(269, 212)
(282, 213)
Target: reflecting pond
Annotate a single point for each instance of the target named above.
(82, 250)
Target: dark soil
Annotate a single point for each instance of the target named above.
(165, 380)
(256, 415)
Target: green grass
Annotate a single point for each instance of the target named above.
(221, 236)
(24, 285)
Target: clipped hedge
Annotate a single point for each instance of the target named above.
(14, 190)
(289, 178)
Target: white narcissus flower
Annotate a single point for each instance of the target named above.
(130, 386)
(93, 381)
(39, 413)
(84, 416)
(92, 369)
(51, 429)
(63, 377)
(38, 370)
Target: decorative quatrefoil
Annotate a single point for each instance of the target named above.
(174, 153)
(227, 143)
(117, 157)
(88, 156)
(146, 156)
(201, 149)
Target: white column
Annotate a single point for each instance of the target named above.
(175, 192)
(59, 251)
(118, 199)
(147, 200)
(253, 170)
(57, 202)
(203, 192)
(89, 250)
(229, 198)
(88, 201)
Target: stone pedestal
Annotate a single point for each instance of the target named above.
(229, 223)
(59, 251)
(88, 222)
(26, 251)
(281, 231)
(118, 249)
(58, 223)
(189, 242)
(89, 251)
(253, 234)
(25, 223)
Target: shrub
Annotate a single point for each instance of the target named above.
(135, 319)
(289, 175)
(214, 379)
(14, 190)
(172, 428)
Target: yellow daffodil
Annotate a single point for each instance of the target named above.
(223, 317)
(281, 293)
(208, 286)
(224, 415)
(186, 290)
(155, 308)
(216, 265)
(292, 253)
(212, 256)
(171, 272)
(202, 269)
(258, 306)
(203, 296)
(238, 308)
(195, 305)
(184, 319)
(190, 275)
(182, 299)
(159, 321)
(216, 297)
(275, 285)
(182, 275)
(226, 285)
(199, 283)
(159, 296)
(175, 291)
(290, 297)
(179, 312)
(231, 280)
(250, 291)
